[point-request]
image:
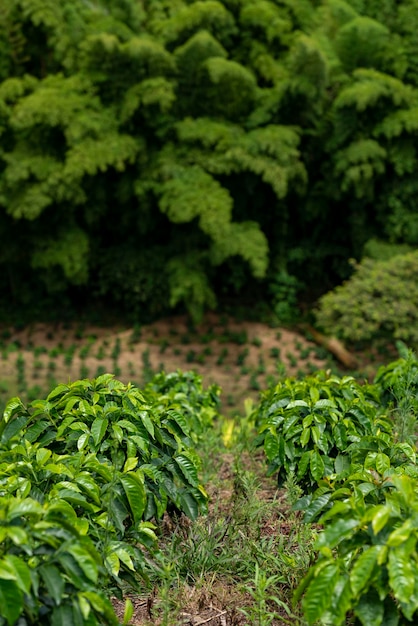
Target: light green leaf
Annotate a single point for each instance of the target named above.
(380, 517)
(318, 595)
(128, 612)
(42, 455)
(83, 441)
(112, 563)
(13, 406)
(130, 464)
(21, 571)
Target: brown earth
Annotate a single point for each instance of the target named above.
(241, 357)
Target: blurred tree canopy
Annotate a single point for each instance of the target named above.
(164, 152)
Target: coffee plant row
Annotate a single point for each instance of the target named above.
(351, 449)
(85, 475)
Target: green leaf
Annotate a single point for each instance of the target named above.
(135, 493)
(361, 572)
(401, 573)
(98, 429)
(188, 469)
(53, 581)
(103, 606)
(189, 505)
(370, 609)
(318, 595)
(382, 463)
(128, 612)
(84, 560)
(335, 533)
(11, 601)
(317, 505)
(62, 616)
(147, 422)
(305, 436)
(317, 465)
(21, 571)
(271, 446)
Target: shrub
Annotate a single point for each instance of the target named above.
(116, 426)
(49, 568)
(367, 561)
(307, 427)
(380, 301)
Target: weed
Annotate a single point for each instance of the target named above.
(116, 350)
(265, 607)
(257, 342)
(305, 353)
(261, 369)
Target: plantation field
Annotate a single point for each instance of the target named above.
(241, 357)
(197, 511)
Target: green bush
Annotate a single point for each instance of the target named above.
(380, 301)
(307, 427)
(367, 565)
(50, 571)
(116, 426)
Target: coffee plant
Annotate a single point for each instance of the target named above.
(312, 427)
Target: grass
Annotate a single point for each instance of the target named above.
(246, 556)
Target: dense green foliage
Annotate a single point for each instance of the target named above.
(380, 301)
(167, 152)
(346, 445)
(314, 427)
(84, 477)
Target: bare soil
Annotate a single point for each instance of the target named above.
(242, 357)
